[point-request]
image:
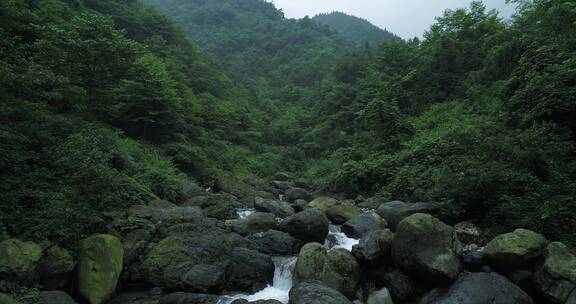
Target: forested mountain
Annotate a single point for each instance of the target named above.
(357, 30)
(136, 145)
(255, 42)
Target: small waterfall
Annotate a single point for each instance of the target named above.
(243, 213)
(281, 197)
(284, 269)
(337, 239)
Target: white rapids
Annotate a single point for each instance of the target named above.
(243, 213)
(279, 288)
(337, 239)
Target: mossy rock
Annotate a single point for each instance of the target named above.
(161, 204)
(556, 279)
(338, 269)
(99, 267)
(323, 203)
(19, 260)
(342, 213)
(56, 268)
(515, 249)
(6, 299)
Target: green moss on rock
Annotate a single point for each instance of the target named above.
(515, 249)
(99, 267)
(19, 260)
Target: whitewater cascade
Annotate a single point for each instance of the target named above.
(284, 267)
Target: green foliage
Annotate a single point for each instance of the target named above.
(354, 29)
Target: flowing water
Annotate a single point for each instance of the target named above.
(284, 267)
(279, 288)
(337, 239)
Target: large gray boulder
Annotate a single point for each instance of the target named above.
(376, 245)
(19, 261)
(315, 292)
(338, 269)
(479, 288)
(343, 212)
(426, 248)
(394, 212)
(279, 208)
(219, 206)
(254, 223)
(275, 242)
(249, 270)
(310, 225)
(515, 249)
(363, 224)
(189, 298)
(556, 278)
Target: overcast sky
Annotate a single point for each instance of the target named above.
(406, 18)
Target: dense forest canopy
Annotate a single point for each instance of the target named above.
(107, 104)
(357, 30)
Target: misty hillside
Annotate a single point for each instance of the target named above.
(354, 29)
(214, 151)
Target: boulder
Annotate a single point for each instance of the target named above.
(254, 223)
(400, 285)
(394, 212)
(479, 288)
(337, 268)
(279, 208)
(161, 204)
(242, 301)
(100, 260)
(342, 213)
(275, 242)
(426, 248)
(56, 268)
(6, 299)
(184, 260)
(282, 185)
(372, 202)
(315, 292)
(571, 298)
(323, 203)
(19, 261)
(515, 249)
(295, 193)
(310, 225)
(54, 297)
(381, 296)
(300, 205)
(136, 297)
(189, 298)
(218, 206)
(556, 278)
(249, 270)
(363, 224)
(229, 184)
(375, 246)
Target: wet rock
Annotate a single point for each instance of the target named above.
(376, 245)
(249, 270)
(315, 292)
(300, 205)
(310, 225)
(19, 261)
(54, 297)
(254, 223)
(394, 212)
(242, 301)
(100, 262)
(282, 185)
(556, 279)
(381, 296)
(479, 288)
(515, 249)
(473, 259)
(205, 278)
(400, 285)
(363, 224)
(136, 298)
(279, 208)
(372, 202)
(275, 242)
(426, 248)
(294, 194)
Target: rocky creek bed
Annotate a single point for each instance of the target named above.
(254, 242)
